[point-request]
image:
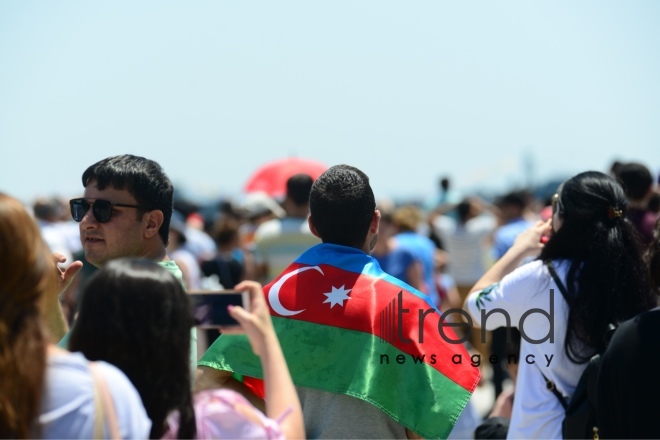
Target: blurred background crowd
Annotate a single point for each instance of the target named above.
(441, 244)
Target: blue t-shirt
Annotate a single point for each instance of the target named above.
(396, 262)
(505, 235)
(422, 249)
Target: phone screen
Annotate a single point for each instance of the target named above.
(210, 308)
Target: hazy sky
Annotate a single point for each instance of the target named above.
(406, 91)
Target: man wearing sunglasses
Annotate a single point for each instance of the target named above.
(125, 211)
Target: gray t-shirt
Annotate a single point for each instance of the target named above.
(330, 415)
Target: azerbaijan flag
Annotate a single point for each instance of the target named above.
(347, 327)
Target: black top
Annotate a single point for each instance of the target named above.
(629, 381)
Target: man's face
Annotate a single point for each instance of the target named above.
(121, 236)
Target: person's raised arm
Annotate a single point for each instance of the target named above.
(281, 395)
(528, 243)
(55, 320)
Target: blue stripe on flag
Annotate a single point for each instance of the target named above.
(354, 260)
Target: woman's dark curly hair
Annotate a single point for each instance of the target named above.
(135, 315)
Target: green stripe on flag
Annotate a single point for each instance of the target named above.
(344, 361)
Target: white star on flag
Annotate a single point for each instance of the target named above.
(337, 296)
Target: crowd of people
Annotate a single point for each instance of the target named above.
(365, 317)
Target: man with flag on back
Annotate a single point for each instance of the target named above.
(365, 350)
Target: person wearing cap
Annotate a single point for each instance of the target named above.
(257, 208)
(259, 205)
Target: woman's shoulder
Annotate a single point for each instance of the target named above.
(67, 408)
(72, 370)
(131, 414)
(533, 271)
(538, 269)
(68, 371)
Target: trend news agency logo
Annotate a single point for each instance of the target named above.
(393, 316)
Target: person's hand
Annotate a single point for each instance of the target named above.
(65, 277)
(530, 241)
(256, 323)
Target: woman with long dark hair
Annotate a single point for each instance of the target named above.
(593, 255)
(46, 392)
(136, 315)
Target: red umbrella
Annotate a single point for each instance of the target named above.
(272, 176)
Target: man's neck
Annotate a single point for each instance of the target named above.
(156, 253)
(298, 212)
(293, 210)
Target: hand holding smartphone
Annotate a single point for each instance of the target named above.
(209, 308)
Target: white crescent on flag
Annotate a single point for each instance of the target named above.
(274, 293)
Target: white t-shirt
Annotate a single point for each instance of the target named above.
(466, 246)
(537, 412)
(67, 403)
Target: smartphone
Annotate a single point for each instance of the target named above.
(209, 307)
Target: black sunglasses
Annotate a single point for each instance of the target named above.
(102, 209)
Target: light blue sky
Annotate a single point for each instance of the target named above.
(406, 91)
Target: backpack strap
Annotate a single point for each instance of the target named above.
(560, 285)
(553, 273)
(550, 385)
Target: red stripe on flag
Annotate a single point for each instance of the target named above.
(371, 300)
(255, 385)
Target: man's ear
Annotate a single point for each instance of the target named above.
(154, 220)
(312, 228)
(375, 222)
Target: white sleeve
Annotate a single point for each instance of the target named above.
(443, 226)
(516, 294)
(485, 224)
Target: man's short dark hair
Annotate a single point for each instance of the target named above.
(513, 198)
(636, 180)
(298, 188)
(342, 206)
(143, 178)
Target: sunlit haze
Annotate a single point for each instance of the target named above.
(492, 94)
